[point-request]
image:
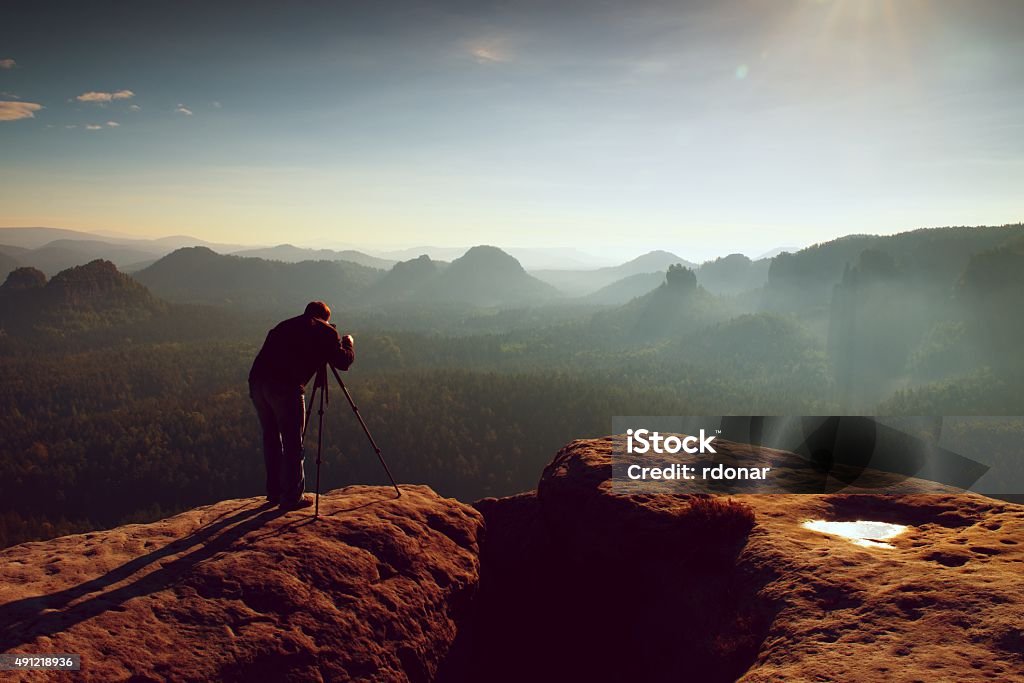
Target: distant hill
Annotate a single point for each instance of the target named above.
(530, 258)
(406, 281)
(292, 254)
(487, 276)
(7, 263)
(772, 253)
(583, 282)
(55, 249)
(733, 273)
(12, 250)
(922, 306)
(33, 238)
(802, 282)
(435, 253)
(97, 284)
(200, 275)
(553, 258)
(991, 290)
(675, 308)
(61, 254)
(652, 260)
(115, 247)
(482, 277)
(172, 242)
(624, 290)
(133, 268)
(83, 297)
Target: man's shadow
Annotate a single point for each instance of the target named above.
(22, 621)
(283, 529)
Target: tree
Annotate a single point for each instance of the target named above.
(680, 277)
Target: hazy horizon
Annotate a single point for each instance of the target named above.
(702, 128)
(552, 257)
(572, 256)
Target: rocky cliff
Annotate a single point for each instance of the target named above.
(566, 583)
(373, 590)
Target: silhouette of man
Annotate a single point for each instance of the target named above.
(291, 355)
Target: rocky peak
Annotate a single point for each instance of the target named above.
(21, 279)
(95, 281)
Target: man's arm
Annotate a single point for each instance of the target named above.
(342, 351)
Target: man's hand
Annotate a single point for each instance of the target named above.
(346, 355)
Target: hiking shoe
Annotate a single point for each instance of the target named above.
(296, 504)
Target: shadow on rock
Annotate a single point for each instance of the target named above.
(25, 620)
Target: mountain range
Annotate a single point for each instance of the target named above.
(530, 258)
(200, 275)
(292, 254)
(35, 237)
(803, 280)
(733, 274)
(483, 277)
(52, 250)
(281, 277)
(584, 282)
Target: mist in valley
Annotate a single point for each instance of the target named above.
(124, 386)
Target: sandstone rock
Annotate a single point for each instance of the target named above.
(637, 587)
(944, 603)
(584, 513)
(645, 589)
(571, 582)
(374, 590)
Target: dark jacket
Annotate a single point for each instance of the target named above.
(296, 349)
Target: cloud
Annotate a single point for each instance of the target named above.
(7, 63)
(491, 50)
(487, 55)
(113, 124)
(103, 97)
(93, 126)
(134, 107)
(216, 104)
(182, 109)
(13, 111)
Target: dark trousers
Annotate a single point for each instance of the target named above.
(281, 412)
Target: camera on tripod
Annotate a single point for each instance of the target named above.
(320, 384)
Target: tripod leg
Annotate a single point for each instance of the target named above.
(309, 411)
(320, 439)
(366, 430)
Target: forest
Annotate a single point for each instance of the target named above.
(121, 402)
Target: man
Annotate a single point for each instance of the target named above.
(291, 355)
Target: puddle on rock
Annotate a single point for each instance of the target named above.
(862, 533)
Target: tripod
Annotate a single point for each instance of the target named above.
(320, 384)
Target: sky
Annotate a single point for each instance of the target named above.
(699, 127)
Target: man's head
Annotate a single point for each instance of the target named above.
(319, 310)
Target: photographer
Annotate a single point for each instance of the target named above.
(292, 353)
